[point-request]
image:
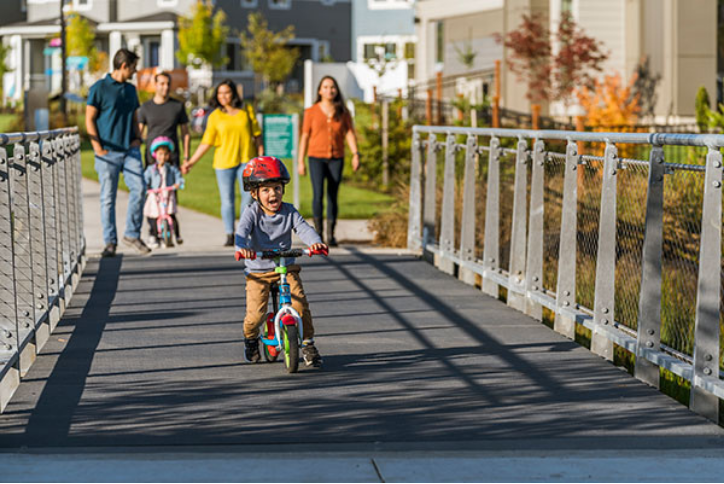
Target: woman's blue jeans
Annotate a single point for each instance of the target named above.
(226, 179)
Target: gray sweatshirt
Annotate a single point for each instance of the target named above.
(258, 231)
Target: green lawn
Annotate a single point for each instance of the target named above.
(202, 194)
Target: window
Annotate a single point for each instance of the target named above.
(232, 53)
(249, 3)
(566, 6)
(154, 48)
(375, 51)
(327, 3)
(23, 5)
(280, 4)
(82, 4)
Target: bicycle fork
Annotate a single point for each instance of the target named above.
(286, 315)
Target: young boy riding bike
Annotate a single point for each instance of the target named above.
(267, 225)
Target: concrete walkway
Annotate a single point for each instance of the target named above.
(201, 232)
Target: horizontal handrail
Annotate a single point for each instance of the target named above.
(655, 139)
(12, 138)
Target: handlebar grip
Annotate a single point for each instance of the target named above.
(324, 252)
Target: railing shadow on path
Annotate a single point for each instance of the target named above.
(462, 371)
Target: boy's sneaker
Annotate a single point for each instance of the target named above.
(251, 350)
(137, 244)
(153, 242)
(311, 355)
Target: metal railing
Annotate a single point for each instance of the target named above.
(624, 251)
(42, 248)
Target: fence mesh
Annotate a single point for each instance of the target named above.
(589, 208)
(552, 209)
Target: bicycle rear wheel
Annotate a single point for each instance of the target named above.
(291, 348)
(271, 353)
(166, 234)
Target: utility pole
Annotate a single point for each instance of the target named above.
(63, 52)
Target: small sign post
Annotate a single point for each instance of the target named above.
(281, 139)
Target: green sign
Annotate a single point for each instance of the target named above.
(278, 133)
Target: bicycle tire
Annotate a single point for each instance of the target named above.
(291, 348)
(166, 235)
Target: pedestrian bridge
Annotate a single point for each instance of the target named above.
(436, 348)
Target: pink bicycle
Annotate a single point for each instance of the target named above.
(164, 221)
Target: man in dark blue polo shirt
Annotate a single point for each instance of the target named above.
(113, 131)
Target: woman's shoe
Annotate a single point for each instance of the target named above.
(229, 240)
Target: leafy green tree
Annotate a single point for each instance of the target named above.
(4, 51)
(702, 108)
(201, 36)
(267, 51)
(80, 38)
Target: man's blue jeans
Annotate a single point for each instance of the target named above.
(109, 168)
(226, 179)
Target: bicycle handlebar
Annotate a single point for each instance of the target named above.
(162, 189)
(273, 254)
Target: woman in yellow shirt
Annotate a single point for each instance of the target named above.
(233, 130)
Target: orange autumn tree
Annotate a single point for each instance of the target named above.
(610, 103)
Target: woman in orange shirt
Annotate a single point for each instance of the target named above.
(327, 124)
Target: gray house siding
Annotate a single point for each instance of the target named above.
(310, 18)
(10, 12)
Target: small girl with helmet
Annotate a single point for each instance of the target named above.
(161, 174)
(268, 225)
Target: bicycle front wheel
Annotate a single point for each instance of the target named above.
(166, 234)
(291, 348)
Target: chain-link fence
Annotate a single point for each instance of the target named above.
(641, 260)
(41, 243)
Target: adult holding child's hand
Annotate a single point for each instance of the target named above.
(327, 125)
(232, 128)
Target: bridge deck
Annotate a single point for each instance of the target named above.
(149, 354)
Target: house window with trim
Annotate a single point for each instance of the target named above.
(82, 4)
(567, 6)
(249, 3)
(440, 42)
(374, 51)
(280, 4)
(233, 54)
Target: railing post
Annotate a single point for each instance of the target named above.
(9, 342)
(447, 223)
(467, 229)
(60, 242)
(603, 307)
(51, 232)
(516, 286)
(534, 263)
(491, 247)
(38, 245)
(566, 287)
(649, 322)
(63, 217)
(430, 196)
(708, 294)
(415, 215)
(72, 209)
(23, 257)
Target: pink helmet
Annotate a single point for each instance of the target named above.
(161, 141)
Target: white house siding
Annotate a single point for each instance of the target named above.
(606, 22)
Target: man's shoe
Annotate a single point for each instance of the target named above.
(137, 244)
(109, 250)
(229, 240)
(311, 355)
(251, 350)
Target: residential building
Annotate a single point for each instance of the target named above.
(679, 37)
(150, 28)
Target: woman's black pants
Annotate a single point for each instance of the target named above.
(321, 169)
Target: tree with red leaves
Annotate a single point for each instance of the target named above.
(552, 76)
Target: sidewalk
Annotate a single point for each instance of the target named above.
(200, 232)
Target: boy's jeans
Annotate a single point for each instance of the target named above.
(109, 168)
(258, 285)
(226, 179)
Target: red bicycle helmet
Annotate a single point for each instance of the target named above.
(264, 169)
